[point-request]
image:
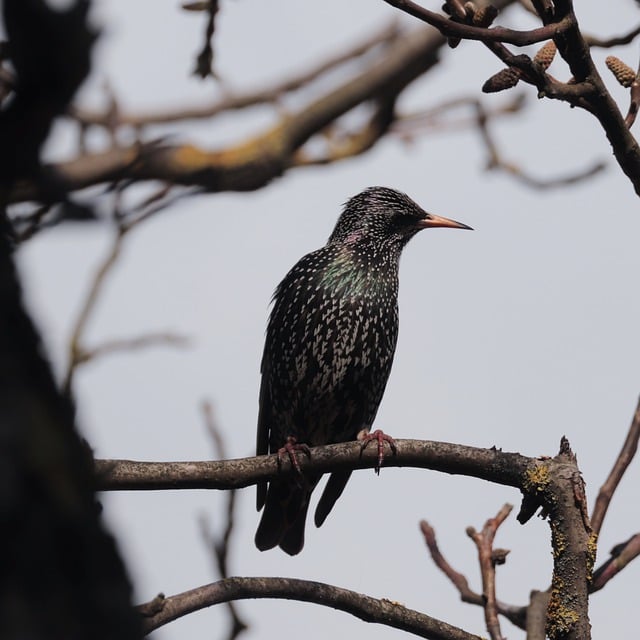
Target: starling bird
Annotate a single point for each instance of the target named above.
(328, 351)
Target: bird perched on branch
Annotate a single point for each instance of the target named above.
(328, 352)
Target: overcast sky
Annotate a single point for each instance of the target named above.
(513, 335)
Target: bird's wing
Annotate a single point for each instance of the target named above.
(262, 439)
(262, 436)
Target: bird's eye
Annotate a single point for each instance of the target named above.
(411, 220)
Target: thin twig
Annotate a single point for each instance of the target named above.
(165, 197)
(458, 579)
(204, 60)
(28, 225)
(517, 615)
(621, 555)
(78, 353)
(356, 142)
(439, 116)
(220, 544)
(387, 34)
(496, 162)
(130, 344)
(433, 118)
(634, 103)
(488, 558)
(626, 455)
(615, 41)
(549, 183)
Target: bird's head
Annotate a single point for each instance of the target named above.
(384, 217)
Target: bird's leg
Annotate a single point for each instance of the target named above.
(380, 437)
(290, 448)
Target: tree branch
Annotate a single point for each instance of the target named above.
(537, 615)
(204, 60)
(621, 555)
(78, 353)
(615, 41)
(219, 544)
(488, 560)
(123, 345)
(236, 101)
(587, 91)
(380, 611)
(516, 615)
(553, 483)
(489, 464)
(496, 161)
(574, 549)
(253, 163)
(626, 455)
(449, 27)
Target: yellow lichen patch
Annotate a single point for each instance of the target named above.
(558, 540)
(560, 618)
(272, 144)
(190, 158)
(592, 550)
(536, 479)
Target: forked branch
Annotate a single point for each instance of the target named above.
(585, 90)
(553, 484)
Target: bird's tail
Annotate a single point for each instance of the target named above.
(332, 491)
(284, 515)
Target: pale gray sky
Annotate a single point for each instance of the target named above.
(513, 335)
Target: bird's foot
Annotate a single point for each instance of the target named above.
(380, 437)
(290, 448)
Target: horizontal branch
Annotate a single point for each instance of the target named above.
(381, 611)
(451, 28)
(615, 41)
(488, 464)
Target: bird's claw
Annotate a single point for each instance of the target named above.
(290, 448)
(380, 437)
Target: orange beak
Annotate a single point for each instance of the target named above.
(438, 221)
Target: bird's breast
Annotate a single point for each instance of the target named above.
(333, 352)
